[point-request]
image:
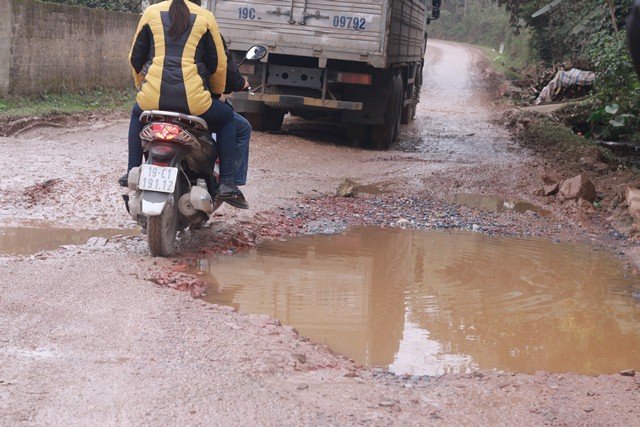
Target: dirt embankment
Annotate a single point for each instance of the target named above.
(96, 333)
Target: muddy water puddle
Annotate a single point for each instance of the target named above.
(30, 240)
(430, 302)
(496, 204)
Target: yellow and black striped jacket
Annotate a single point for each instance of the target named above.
(177, 75)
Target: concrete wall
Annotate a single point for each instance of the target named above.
(5, 46)
(52, 48)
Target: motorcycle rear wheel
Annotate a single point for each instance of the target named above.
(162, 229)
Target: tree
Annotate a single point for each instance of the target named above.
(113, 5)
(563, 32)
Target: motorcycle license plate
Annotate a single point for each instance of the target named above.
(158, 178)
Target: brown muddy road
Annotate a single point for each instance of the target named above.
(87, 337)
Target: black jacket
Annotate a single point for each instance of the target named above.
(177, 74)
(235, 80)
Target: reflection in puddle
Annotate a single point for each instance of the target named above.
(26, 241)
(430, 302)
(495, 204)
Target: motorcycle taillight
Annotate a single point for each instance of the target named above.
(168, 132)
(165, 131)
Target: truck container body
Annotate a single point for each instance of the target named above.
(357, 61)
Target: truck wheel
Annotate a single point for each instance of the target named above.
(269, 119)
(358, 135)
(383, 135)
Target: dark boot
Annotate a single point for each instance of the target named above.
(228, 192)
(124, 180)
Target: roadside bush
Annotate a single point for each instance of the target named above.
(617, 98)
(546, 135)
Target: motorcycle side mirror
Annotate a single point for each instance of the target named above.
(435, 12)
(256, 53)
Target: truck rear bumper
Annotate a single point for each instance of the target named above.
(293, 101)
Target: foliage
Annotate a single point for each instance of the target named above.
(97, 100)
(617, 88)
(563, 33)
(113, 5)
(481, 22)
(589, 34)
(607, 124)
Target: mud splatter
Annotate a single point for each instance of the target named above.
(38, 192)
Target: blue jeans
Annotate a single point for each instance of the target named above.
(243, 135)
(135, 144)
(219, 118)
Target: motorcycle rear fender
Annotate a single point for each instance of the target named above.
(153, 202)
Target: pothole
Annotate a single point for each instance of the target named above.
(431, 302)
(30, 240)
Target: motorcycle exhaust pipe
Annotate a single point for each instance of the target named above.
(201, 199)
(185, 206)
(198, 199)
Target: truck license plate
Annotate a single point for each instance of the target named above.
(158, 178)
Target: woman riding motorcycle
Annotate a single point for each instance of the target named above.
(178, 62)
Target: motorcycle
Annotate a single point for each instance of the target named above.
(176, 186)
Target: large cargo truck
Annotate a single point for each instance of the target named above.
(354, 61)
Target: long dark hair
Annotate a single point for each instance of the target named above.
(180, 18)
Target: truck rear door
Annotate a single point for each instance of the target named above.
(349, 30)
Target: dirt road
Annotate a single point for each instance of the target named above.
(87, 338)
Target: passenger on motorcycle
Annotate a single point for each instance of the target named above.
(236, 83)
(178, 62)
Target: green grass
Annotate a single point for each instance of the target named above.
(502, 63)
(543, 134)
(114, 100)
(517, 56)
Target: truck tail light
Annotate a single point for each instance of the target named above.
(354, 78)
